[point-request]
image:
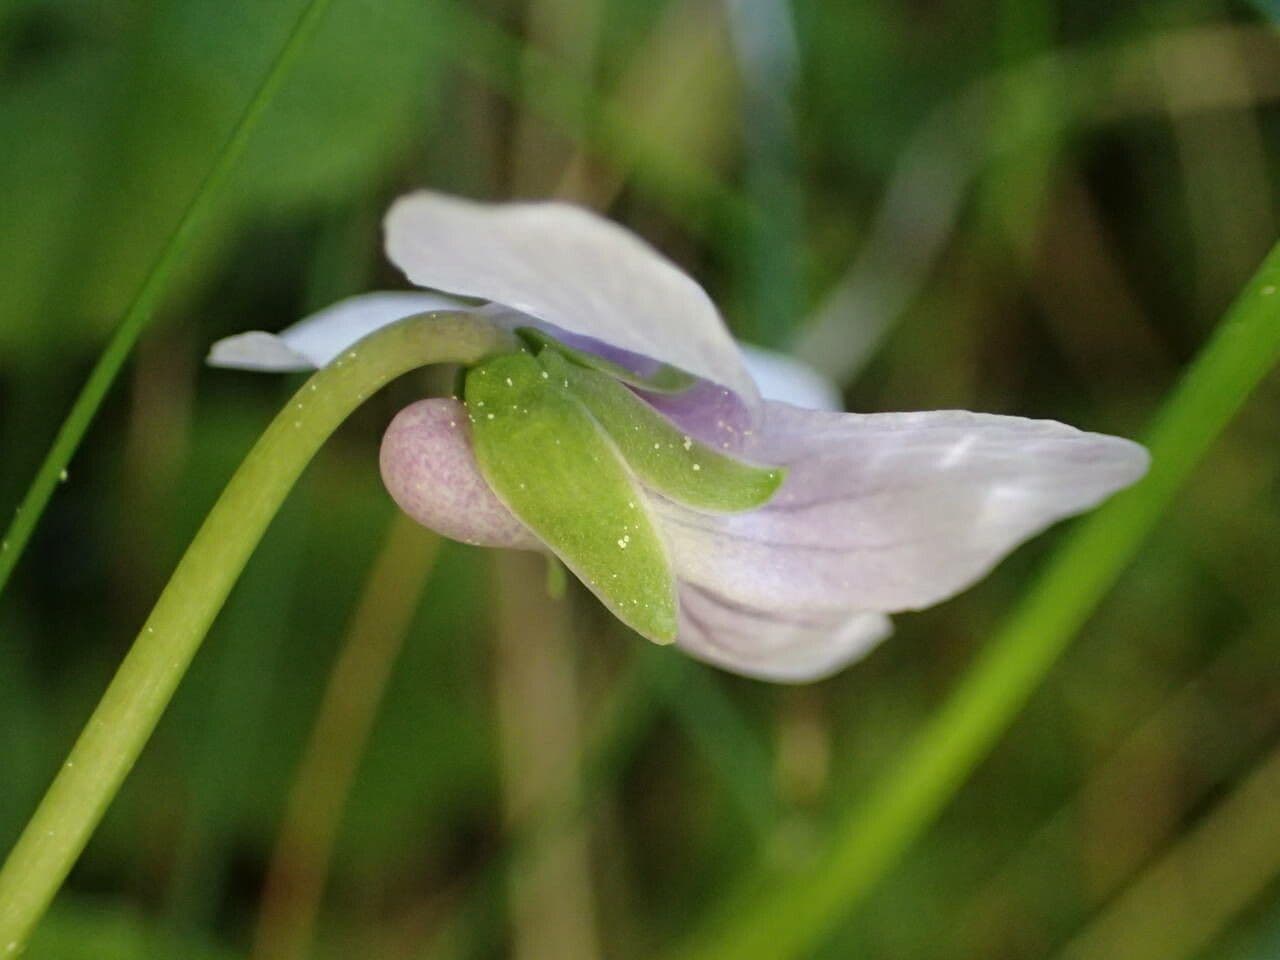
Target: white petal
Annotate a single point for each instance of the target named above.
(768, 645)
(892, 512)
(311, 343)
(568, 267)
(784, 378)
(257, 350)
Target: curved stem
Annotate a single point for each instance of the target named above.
(146, 680)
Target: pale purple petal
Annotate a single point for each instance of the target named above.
(314, 341)
(568, 267)
(890, 512)
(791, 647)
(708, 412)
(431, 472)
(718, 417)
(782, 377)
(637, 363)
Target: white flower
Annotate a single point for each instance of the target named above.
(879, 513)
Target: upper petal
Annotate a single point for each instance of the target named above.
(568, 267)
(891, 512)
(312, 342)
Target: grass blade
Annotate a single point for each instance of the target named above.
(144, 304)
(794, 915)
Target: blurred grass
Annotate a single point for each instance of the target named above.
(796, 914)
(1085, 268)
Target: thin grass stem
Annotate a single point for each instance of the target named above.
(144, 304)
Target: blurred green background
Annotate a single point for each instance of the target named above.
(1016, 206)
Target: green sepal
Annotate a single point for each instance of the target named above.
(666, 460)
(666, 379)
(550, 462)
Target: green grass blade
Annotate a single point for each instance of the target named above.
(144, 304)
(792, 916)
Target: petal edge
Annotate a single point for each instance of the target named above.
(316, 339)
(767, 645)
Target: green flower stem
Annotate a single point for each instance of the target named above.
(793, 916)
(146, 680)
(144, 304)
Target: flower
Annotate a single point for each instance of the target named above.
(877, 513)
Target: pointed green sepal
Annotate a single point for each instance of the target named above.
(666, 460)
(550, 462)
(666, 379)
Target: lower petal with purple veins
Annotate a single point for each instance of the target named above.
(892, 512)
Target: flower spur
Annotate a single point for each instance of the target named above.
(763, 533)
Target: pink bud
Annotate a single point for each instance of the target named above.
(430, 471)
